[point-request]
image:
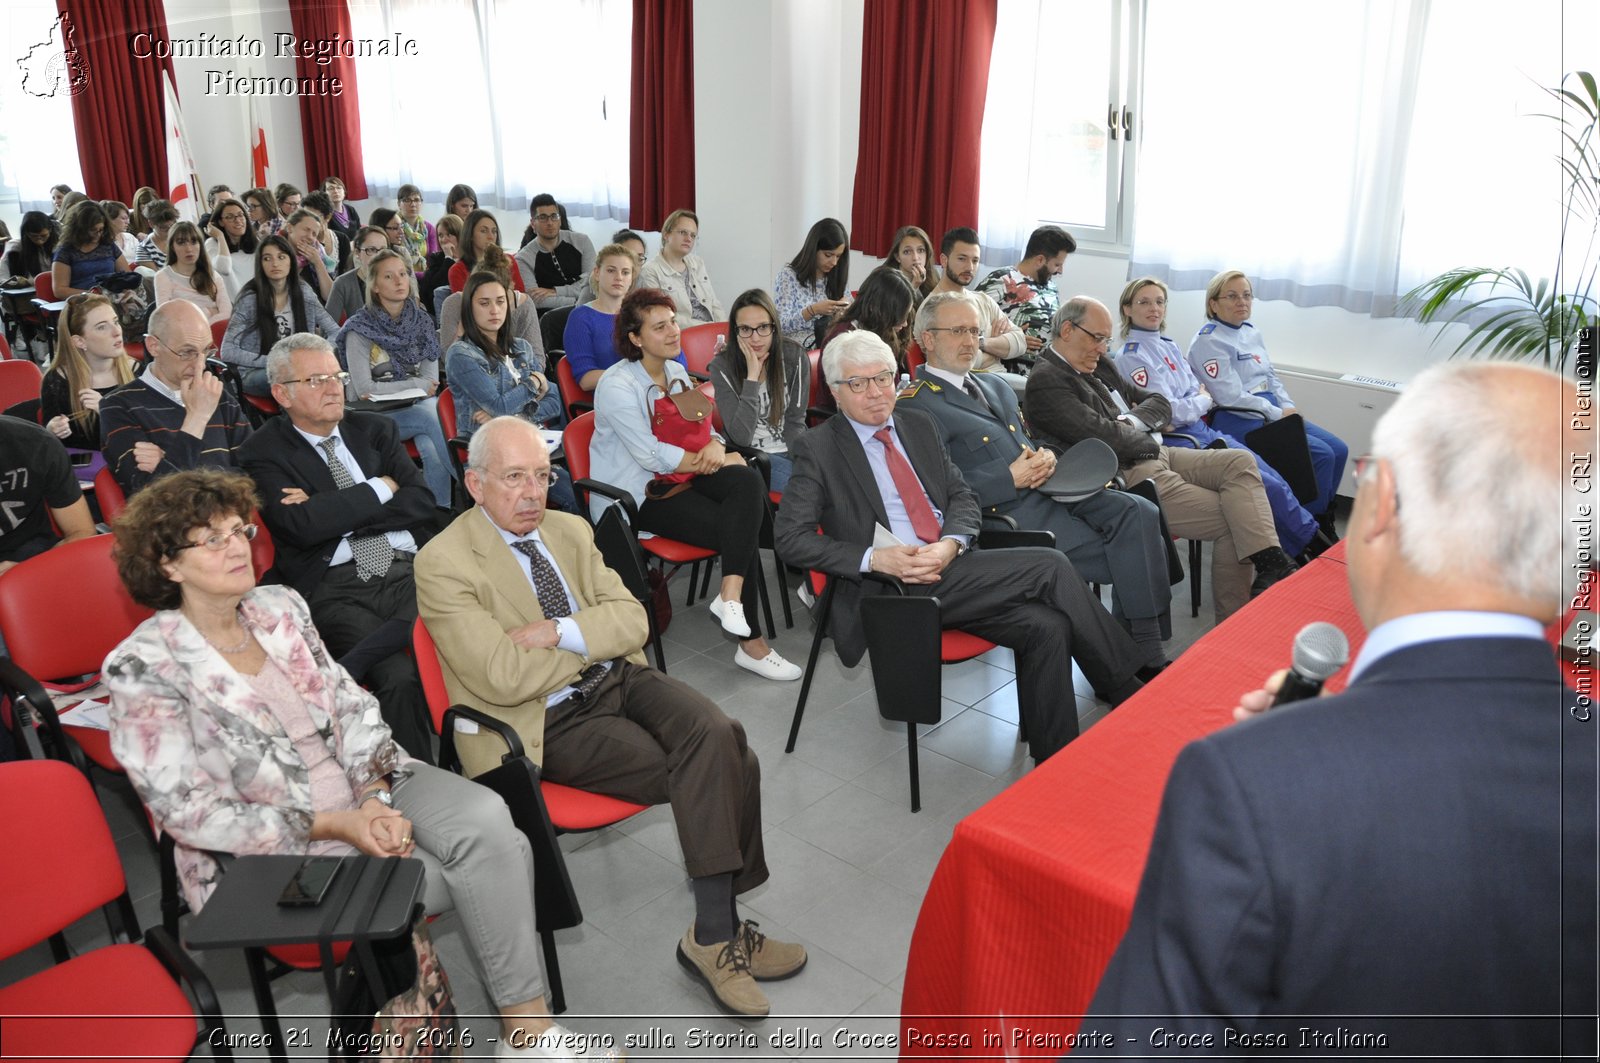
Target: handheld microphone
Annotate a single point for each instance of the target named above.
(1320, 650)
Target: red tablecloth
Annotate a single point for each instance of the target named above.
(1036, 887)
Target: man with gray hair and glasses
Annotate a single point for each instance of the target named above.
(347, 509)
(875, 466)
(1421, 847)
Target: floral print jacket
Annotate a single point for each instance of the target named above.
(207, 755)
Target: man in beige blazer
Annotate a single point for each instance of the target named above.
(534, 629)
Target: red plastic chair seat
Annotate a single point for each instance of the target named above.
(674, 552)
(139, 1011)
(573, 810)
(957, 646)
(307, 957)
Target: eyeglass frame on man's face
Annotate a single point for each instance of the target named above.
(319, 380)
(516, 479)
(965, 332)
(548, 217)
(1099, 340)
(185, 354)
(858, 384)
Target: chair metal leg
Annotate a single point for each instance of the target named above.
(1194, 577)
(811, 664)
(761, 592)
(911, 759)
(705, 582)
(265, 1007)
(655, 638)
(552, 970)
(694, 575)
(783, 591)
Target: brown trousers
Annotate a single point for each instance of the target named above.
(644, 736)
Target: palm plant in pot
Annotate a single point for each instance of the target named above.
(1510, 313)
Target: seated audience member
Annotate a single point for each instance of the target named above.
(811, 288)
(349, 292)
(558, 259)
(214, 197)
(276, 303)
(119, 218)
(524, 315)
(286, 200)
(1306, 863)
(1026, 292)
(911, 252)
(389, 346)
(347, 509)
(479, 233)
(231, 246)
(313, 264)
(86, 254)
(762, 383)
(1229, 354)
(389, 221)
(242, 735)
(28, 255)
(176, 415)
(188, 275)
(460, 201)
(680, 273)
(534, 629)
(436, 271)
(959, 254)
(152, 253)
(343, 218)
(70, 200)
(1075, 393)
(493, 371)
(884, 306)
(89, 364)
(58, 199)
(37, 485)
(590, 335)
(261, 210)
(633, 242)
(335, 244)
(1150, 360)
(721, 504)
(414, 228)
(1110, 537)
(873, 462)
(143, 196)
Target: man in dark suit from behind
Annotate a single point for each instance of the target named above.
(348, 510)
(1422, 844)
(873, 466)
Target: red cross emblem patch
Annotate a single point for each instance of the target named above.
(1141, 375)
(1211, 368)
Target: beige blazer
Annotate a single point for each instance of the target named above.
(472, 590)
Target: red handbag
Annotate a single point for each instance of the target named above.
(683, 419)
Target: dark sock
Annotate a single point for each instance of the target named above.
(1147, 635)
(713, 908)
(1272, 562)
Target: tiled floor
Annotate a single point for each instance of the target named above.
(849, 862)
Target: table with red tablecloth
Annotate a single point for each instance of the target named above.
(1036, 887)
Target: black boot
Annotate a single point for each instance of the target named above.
(1272, 565)
(1325, 522)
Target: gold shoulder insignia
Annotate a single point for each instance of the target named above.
(915, 386)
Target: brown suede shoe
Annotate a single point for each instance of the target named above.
(770, 959)
(725, 969)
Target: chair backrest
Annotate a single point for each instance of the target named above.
(575, 440)
(218, 330)
(262, 552)
(44, 286)
(108, 493)
(64, 610)
(700, 344)
(5, 348)
(431, 673)
(571, 393)
(61, 862)
(20, 380)
(446, 409)
(914, 358)
(553, 329)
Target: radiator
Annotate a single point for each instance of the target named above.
(1347, 405)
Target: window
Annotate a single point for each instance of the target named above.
(38, 147)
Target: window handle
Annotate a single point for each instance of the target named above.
(1127, 124)
(1111, 119)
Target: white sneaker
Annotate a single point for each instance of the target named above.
(731, 616)
(769, 667)
(562, 1045)
(803, 592)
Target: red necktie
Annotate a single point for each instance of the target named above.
(918, 508)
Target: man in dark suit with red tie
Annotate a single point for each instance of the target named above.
(870, 466)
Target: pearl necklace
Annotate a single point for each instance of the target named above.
(244, 643)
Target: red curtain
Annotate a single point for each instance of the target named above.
(661, 133)
(924, 75)
(122, 142)
(330, 125)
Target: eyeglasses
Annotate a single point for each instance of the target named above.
(1144, 303)
(687, 234)
(231, 216)
(319, 380)
(372, 250)
(1099, 340)
(965, 332)
(547, 217)
(219, 540)
(859, 384)
(412, 199)
(1237, 297)
(746, 331)
(183, 354)
(517, 479)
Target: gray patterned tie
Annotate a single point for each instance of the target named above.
(372, 553)
(555, 603)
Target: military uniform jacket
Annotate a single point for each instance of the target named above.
(983, 438)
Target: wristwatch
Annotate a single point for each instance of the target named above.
(383, 797)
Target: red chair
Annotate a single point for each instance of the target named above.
(44, 287)
(574, 398)
(456, 444)
(700, 345)
(5, 348)
(20, 381)
(566, 809)
(108, 493)
(118, 1002)
(914, 359)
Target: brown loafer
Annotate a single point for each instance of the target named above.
(725, 969)
(770, 959)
